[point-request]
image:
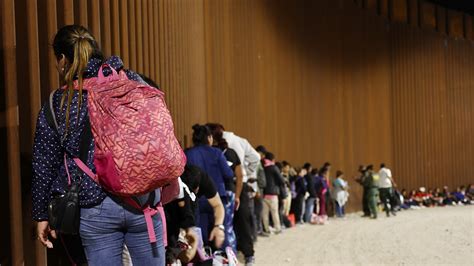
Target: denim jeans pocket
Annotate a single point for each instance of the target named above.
(92, 211)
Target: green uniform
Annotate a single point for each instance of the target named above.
(370, 183)
(365, 192)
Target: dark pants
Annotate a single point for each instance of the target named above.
(386, 197)
(258, 205)
(365, 201)
(372, 196)
(242, 224)
(253, 224)
(330, 206)
(298, 207)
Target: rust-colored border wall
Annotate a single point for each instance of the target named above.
(346, 81)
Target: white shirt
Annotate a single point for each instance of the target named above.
(248, 156)
(385, 178)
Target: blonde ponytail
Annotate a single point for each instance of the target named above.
(83, 51)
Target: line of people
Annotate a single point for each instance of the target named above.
(242, 193)
(274, 195)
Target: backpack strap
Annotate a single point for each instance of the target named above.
(86, 137)
(148, 212)
(49, 113)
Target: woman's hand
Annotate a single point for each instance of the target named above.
(237, 204)
(217, 235)
(43, 230)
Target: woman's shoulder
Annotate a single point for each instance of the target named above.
(203, 148)
(214, 150)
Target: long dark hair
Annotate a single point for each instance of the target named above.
(217, 131)
(201, 134)
(78, 45)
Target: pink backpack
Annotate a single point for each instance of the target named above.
(136, 150)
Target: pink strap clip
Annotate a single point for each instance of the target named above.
(161, 210)
(149, 212)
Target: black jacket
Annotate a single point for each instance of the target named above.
(274, 180)
(310, 185)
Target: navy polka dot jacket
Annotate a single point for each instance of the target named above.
(49, 174)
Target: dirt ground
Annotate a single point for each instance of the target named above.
(430, 236)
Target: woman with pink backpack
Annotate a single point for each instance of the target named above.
(98, 161)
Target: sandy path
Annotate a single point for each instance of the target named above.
(432, 236)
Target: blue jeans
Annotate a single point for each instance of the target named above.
(309, 209)
(339, 209)
(105, 228)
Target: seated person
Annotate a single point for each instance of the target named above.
(438, 197)
(460, 195)
(414, 199)
(428, 200)
(422, 197)
(448, 198)
(404, 199)
(470, 192)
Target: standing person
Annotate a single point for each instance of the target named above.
(340, 194)
(321, 188)
(309, 203)
(233, 203)
(285, 173)
(212, 161)
(330, 208)
(370, 182)
(282, 197)
(365, 190)
(250, 160)
(298, 194)
(386, 185)
(106, 222)
(258, 199)
(271, 192)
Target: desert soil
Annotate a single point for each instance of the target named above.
(430, 236)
